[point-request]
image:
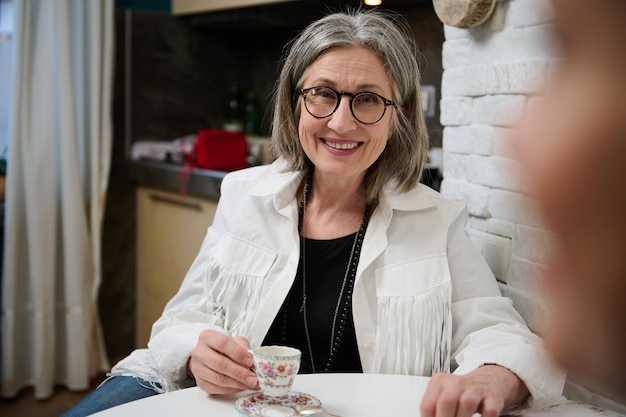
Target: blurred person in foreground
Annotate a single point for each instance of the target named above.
(573, 142)
(336, 249)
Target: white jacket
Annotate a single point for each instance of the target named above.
(424, 299)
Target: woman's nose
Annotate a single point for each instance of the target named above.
(342, 120)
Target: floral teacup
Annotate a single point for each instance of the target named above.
(276, 368)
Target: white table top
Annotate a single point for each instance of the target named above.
(347, 395)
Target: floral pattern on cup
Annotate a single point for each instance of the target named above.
(271, 370)
(276, 368)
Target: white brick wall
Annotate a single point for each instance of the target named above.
(476, 140)
(524, 13)
(456, 111)
(494, 172)
(500, 110)
(477, 196)
(490, 73)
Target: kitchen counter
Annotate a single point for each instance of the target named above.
(206, 183)
(168, 177)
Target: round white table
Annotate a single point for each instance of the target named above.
(346, 395)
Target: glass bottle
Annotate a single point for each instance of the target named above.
(233, 111)
(252, 115)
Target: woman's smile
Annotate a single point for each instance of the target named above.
(341, 145)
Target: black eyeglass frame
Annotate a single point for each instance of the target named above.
(386, 102)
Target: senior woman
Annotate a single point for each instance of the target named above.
(337, 250)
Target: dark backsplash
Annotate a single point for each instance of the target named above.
(182, 73)
(183, 67)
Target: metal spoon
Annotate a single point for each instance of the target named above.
(314, 409)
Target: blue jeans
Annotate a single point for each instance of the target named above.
(116, 391)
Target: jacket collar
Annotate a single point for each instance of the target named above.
(276, 180)
(419, 198)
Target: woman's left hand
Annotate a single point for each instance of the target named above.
(486, 390)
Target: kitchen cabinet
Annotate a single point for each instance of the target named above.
(183, 7)
(170, 230)
(201, 6)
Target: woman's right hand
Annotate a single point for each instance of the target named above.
(221, 364)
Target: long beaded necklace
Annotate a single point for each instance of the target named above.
(345, 294)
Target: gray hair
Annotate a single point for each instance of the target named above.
(388, 36)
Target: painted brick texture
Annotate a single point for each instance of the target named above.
(491, 73)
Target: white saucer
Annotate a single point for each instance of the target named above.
(258, 404)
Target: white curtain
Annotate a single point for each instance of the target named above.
(60, 148)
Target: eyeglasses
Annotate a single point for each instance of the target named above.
(366, 107)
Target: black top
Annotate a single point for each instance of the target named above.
(326, 263)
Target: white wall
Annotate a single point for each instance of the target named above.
(490, 73)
